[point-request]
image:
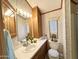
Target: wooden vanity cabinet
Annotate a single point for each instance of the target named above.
(42, 52)
(36, 22)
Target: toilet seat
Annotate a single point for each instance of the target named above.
(53, 53)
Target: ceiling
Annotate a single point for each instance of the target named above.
(45, 5)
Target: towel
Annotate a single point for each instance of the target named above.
(9, 45)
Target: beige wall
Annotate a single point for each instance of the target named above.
(64, 28)
(61, 23)
(47, 17)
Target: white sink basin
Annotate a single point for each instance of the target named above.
(30, 48)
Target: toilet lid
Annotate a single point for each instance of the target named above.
(53, 53)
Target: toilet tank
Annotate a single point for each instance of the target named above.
(53, 45)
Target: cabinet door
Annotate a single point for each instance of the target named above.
(37, 22)
(42, 52)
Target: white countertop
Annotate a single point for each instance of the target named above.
(21, 54)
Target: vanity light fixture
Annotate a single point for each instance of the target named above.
(8, 12)
(23, 13)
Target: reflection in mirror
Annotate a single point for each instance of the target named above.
(53, 29)
(22, 27)
(23, 15)
(9, 20)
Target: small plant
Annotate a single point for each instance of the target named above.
(29, 37)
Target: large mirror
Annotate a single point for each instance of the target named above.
(22, 27)
(53, 29)
(9, 18)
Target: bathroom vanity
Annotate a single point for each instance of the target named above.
(33, 51)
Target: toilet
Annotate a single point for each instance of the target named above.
(53, 53)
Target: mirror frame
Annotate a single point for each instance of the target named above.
(49, 28)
